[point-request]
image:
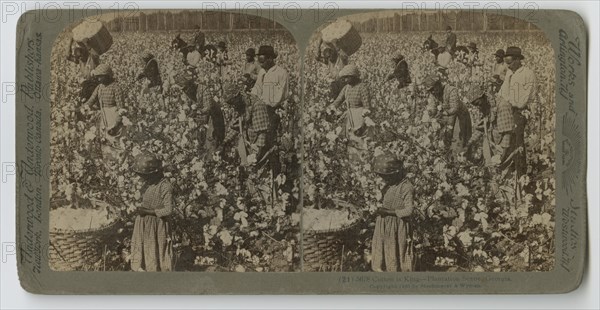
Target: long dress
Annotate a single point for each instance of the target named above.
(357, 100)
(109, 99)
(391, 247)
(151, 244)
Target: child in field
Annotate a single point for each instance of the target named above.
(392, 247)
(151, 245)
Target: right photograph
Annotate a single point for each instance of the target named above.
(429, 144)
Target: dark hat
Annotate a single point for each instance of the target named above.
(448, 28)
(267, 50)
(430, 80)
(230, 91)
(387, 163)
(147, 55)
(514, 51)
(499, 53)
(473, 45)
(251, 52)
(398, 57)
(146, 163)
(221, 44)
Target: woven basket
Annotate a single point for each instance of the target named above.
(96, 34)
(322, 249)
(73, 249)
(348, 38)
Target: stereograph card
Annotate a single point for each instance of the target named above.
(328, 151)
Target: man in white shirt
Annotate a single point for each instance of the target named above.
(444, 59)
(518, 90)
(272, 81)
(272, 88)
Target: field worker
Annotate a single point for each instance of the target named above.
(472, 58)
(450, 40)
(272, 81)
(150, 72)
(254, 128)
(336, 59)
(251, 69)
(211, 114)
(519, 91)
(401, 72)
(109, 99)
(222, 54)
(151, 243)
(87, 59)
(356, 99)
(443, 60)
(391, 246)
(221, 59)
(498, 70)
(457, 118)
(199, 39)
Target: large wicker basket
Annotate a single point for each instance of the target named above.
(74, 249)
(323, 249)
(96, 35)
(348, 38)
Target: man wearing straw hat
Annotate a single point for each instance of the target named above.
(518, 90)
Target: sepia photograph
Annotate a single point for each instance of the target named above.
(174, 144)
(296, 150)
(429, 144)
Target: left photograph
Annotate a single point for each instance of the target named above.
(174, 144)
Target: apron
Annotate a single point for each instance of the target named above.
(355, 132)
(108, 119)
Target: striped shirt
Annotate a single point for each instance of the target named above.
(400, 198)
(106, 95)
(356, 96)
(159, 197)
